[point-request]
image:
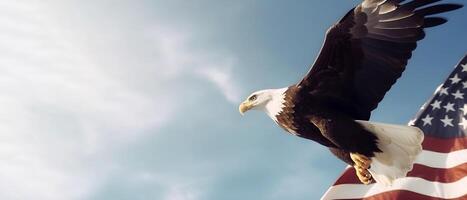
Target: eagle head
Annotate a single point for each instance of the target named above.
(270, 100)
(256, 101)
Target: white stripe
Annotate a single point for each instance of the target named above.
(418, 185)
(442, 160)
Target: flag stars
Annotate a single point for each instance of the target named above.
(427, 120)
(463, 123)
(449, 107)
(464, 84)
(464, 109)
(464, 67)
(458, 95)
(455, 79)
(447, 121)
(436, 104)
(443, 90)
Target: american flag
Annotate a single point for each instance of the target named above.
(440, 170)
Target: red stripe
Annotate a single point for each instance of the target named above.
(348, 177)
(403, 194)
(428, 173)
(439, 174)
(443, 145)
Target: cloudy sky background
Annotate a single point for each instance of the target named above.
(138, 99)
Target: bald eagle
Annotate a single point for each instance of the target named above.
(362, 57)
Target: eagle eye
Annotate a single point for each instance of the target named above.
(252, 98)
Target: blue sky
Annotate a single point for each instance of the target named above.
(138, 99)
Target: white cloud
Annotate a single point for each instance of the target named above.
(221, 77)
(175, 57)
(70, 94)
(59, 111)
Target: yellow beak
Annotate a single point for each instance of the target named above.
(245, 106)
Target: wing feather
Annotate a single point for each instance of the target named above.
(365, 53)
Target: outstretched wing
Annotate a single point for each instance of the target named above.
(366, 52)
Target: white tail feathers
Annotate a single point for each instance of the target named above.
(399, 144)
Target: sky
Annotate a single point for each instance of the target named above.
(138, 99)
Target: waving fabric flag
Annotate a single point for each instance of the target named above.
(441, 169)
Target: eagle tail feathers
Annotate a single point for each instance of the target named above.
(400, 145)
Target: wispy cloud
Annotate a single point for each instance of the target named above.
(222, 79)
(176, 56)
(61, 111)
(73, 93)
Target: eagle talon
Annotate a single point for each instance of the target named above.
(361, 160)
(363, 175)
(362, 164)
